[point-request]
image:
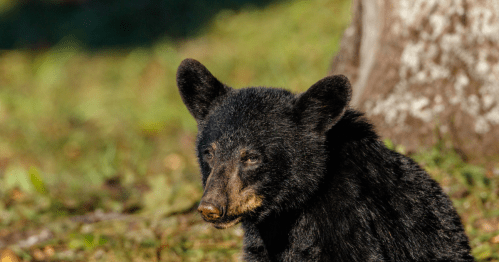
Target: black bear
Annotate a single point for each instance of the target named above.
(309, 178)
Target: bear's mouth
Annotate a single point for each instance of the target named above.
(227, 222)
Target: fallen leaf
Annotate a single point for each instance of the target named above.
(49, 251)
(7, 255)
(38, 254)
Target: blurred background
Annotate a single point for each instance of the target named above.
(97, 149)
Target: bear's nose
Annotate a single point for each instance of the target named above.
(209, 211)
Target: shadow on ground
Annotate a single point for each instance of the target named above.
(97, 24)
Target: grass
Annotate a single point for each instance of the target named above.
(474, 191)
(97, 149)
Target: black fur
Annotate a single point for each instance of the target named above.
(331, 190)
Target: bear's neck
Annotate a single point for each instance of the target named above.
(270, 238)
(350, 130)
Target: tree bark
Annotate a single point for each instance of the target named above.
(424, 70)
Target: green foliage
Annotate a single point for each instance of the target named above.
(86, 241)
(17, 177)
(36, 180)
(390, 145)
(473, 190)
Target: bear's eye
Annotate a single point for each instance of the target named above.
(250, 159)
(208, 155)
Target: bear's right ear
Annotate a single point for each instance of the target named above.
(198, 88)
(324, 103)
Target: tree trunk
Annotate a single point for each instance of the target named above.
(424, 70)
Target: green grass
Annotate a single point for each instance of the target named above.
(97, 149)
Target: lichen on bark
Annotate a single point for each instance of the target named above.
(436, 67)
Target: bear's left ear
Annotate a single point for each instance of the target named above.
(198, 88)
(324, 103)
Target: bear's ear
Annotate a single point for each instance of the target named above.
(324, 103)
(198, 88)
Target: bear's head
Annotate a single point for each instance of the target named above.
(260, 150)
